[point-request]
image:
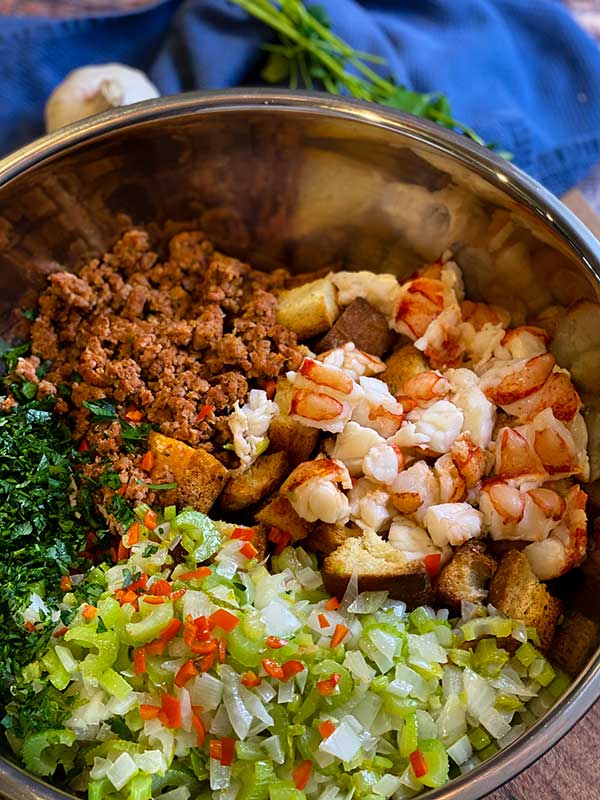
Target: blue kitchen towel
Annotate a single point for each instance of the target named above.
(520, 72)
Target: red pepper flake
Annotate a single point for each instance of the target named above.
(160, 588)
(247, 534)
(121, 490)
(148, 711)
(301, 774)
(418, 764)
(274, 643)
(202, 627)
(327, 686)
(170, 631)
(332, 604)
(89, 612)
(251, 679)
(248, 550)
(273, 669)
(203, 648)
(139, 661)
(223, 619)
(326, 728)
(60, 632)
(280, 538)
(150, 519)
(185, 673)
(195, 574)
(323, 621)
(147, 462)
(206, 663)
(65, 583)
(204, 412)
(291, 668)
(179, 593)
(171, 708)
(133, 534)
(339, 634)
(133, 415)
(153, 601)
(156, 648)
(432, 564)
(84, 446)
(198, 726)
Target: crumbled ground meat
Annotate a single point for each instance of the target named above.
(161, 337)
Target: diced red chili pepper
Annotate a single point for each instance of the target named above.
(291, 668)
(198, 726)
(195, 574)
(327, 686)
(227, 751)
(133, 415)
(204, 412)
(301, 774)
(215, 749)
(247, 534)
(185, 673)
(332, 604)
(202, 628)
(432, 564)
(154, 601)
(273, 669)
(339, 634)
(148, 711)
(179, 593)
(122, 552)
(140, 583)
(60, 632)
(189, 634)
(206, 663)
(139, 661)
(133, 534)
(150, 519)
(280, 538)
(323, 621)
(248, 550)
(65, 583)
(156, 648)
(326, 728)
(127, 596)
(29, 626)
(223, 619)
(275, 643)
(147, 461)
(160, 588)
(221, 650)
(251, 679)
(203, 648)
(84, 446)
(121, 490)
(172, 710)
(170, 631)
(418, 763)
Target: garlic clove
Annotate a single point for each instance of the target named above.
(91, 90)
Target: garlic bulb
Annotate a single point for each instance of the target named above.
(90, 90)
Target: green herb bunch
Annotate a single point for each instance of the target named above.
(310, 55)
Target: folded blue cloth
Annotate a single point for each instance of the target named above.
(522, 74)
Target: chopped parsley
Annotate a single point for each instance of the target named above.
(102, 410)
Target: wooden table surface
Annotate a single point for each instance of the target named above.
(567, 772)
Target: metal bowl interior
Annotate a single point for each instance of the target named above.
(307, 181)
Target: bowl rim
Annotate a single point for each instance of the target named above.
(522, 188)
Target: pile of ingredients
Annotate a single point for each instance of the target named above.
(272, 537)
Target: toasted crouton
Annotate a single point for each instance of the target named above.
(362, 324)
(289, 435)
(252, 485)
(379, 566)
(200, 476)
(516, 591)
(466, 575)
(324, 537)
(308, 310)
(573, 643)
(279, 513)
(404, 363)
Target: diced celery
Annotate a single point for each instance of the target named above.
(488, 659)
(365, 780)
(422, 620)
(246, 751)
(141, 510)
(140, 787)
(114, 684)
(243, 649)
(400, 706)
(200, 536)
(488, 752)
(527, 654)
(285, 791)
(379, 683)
(381, 763)
(169, 513)
(323, 670)
(541, 671)
(106, 645)
(559, 685)
(309, 706)
(408, 737)
(508, 702)
(462, 658)
(479, 739)
(110, 612)
(57, 674)
(533, 636)
(436, 758)
(43, 752)
(151, 625)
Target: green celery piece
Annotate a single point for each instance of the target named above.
(508, 702)
(106, 646)
(310, 705)
(99, 789)
(200, 536)
(408, 737)
(114, 684)
(436, 757)
(140, 787)
(400, 706)
(323, 670)
(365, 780)
(243, 649)
(150, 626)
(199, 764)
(479, 739)
(43, 752)
(541, 671)
(285, 791)
(527, 654)
(559, 685)
(256, 782)
(488, 752)
(109, 610)
(57, 674)
(174, 777)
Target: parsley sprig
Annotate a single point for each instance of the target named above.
(309, 54)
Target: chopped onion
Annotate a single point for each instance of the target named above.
(426, 726)
(239, 715)
(220, 776)
(356, 663)
(66, 659)
(386, 643)
(151, 761)
(100, 768)
(387, 785)
(221, 725)
(309, 578)
(180, 793)
(470, 765)
(265, 691)
(206, 691)
(494, 723)
(279, 620)
(397, 606)
(461, 750)
(427, 647)
(452, 680)
(343, 743)
(286, 692)
(122, 771)
(451, 722)
(185, 705)
(331, 793)
(480, 695)
(368, 708)
(512, 735)
(197, 604)
(519, 632)
(274, 749)
(367, 602)
(255, 706)
(351, 592)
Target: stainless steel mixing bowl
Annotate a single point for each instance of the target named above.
(309, 181)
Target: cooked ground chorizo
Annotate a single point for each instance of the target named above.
(172, 341)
